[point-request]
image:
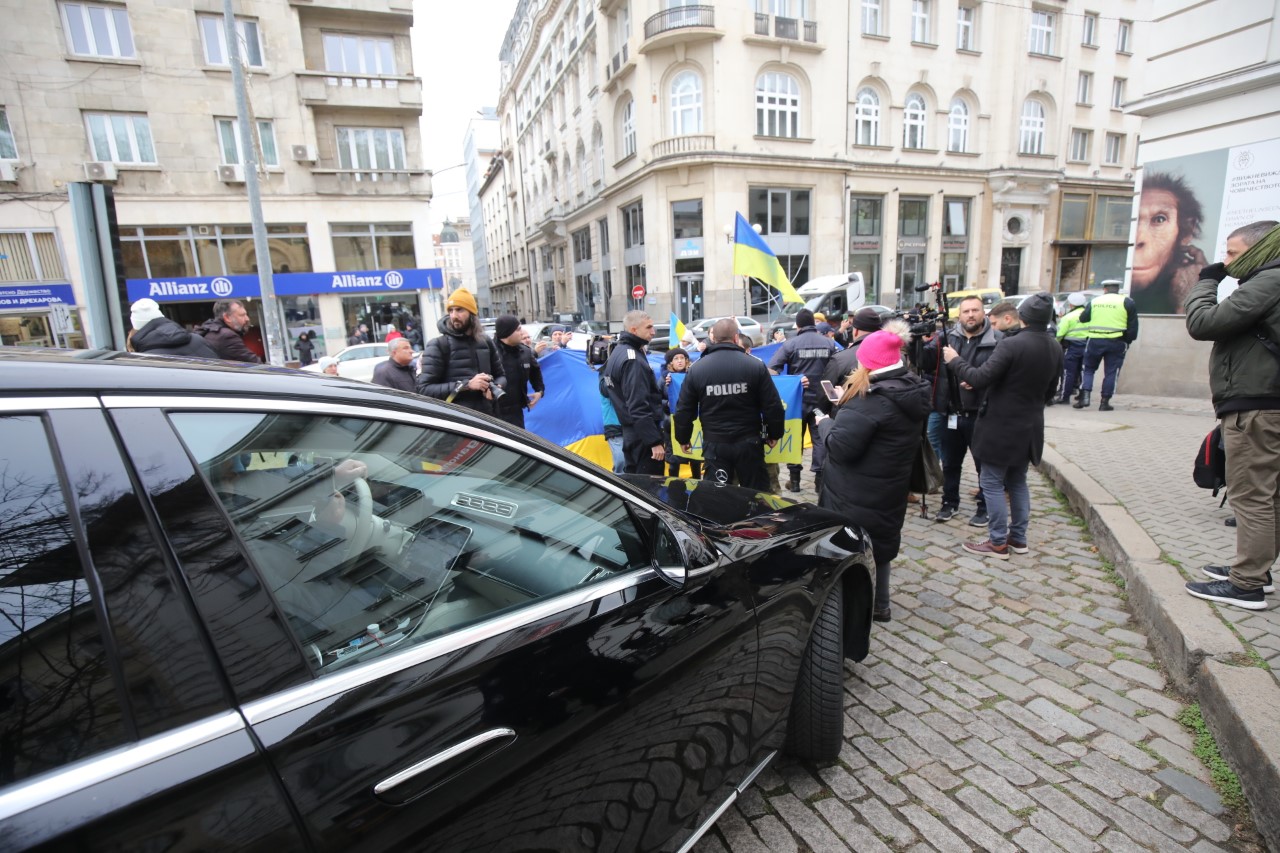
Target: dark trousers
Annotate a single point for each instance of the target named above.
(743, 459)
(819, 451)
(674, 462)
(638, 456)
(1109, 352)
(1072, 361)
(955, 444)
(515, 417)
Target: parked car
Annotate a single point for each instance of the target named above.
(244, 608)
(356, 362)
(747, 326)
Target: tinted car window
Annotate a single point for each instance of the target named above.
(58, 699)
(374, 536)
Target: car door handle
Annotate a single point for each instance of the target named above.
(443, 757)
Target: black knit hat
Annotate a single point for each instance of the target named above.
(1036, 309)
(504, 326)
(673, 352)
(867, 320)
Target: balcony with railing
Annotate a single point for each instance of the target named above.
(787, 29)
(618, 67)
(360, 91)
(676, 145)
(381, 182)
(679, 24)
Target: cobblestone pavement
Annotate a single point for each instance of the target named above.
(1141, 453)
(1009, 705)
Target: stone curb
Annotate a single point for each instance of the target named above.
(1196, 646)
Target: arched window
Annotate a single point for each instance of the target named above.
(958, 126)
(686, 104)
(777, 105)
(913, 122)
(1031, 128)
(629, 128)
(866, 118)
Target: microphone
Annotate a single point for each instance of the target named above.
(920, 288)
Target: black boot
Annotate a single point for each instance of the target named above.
(1106, 405)
(1063, 400)
(1082, 402)
(817, 483)
(793, 485)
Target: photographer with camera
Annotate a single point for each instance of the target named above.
(522, 370)
(462, 366)
(975, 339)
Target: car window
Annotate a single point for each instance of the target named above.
(375, 536)
(58, 699)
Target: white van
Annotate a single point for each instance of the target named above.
(843, 293)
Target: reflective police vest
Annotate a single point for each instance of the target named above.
(1107, 317)
(1070, 328)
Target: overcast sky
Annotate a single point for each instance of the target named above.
(455, 52)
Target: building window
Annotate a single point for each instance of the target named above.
(1081, 142)
(865, 232)
(866, 118)
(1084, 88)
(920, 21)
(1031, 128)
(94, 30)
(872, 18)
(629, 128)
(120, 137)
(686, 104)
(955, 243)
(361, 55)
(777, 105)
(958, 126)
(1122, 36)
(966, 19)
(582, 245)
(913, 217)
(8, 146)
(779, 211)
(214, 36)
(162, 251)
(633, 225)
(373, 246)
(1113, 149)
(686, 219)
(1089, 35)
(913, 128)
(30, 256)
(1041, 35)
(604, 236)
(1117, 93)
(361, 148)
(229, 143)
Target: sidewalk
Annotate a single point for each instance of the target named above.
(1128, 474)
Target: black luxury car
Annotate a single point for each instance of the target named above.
(257, 609)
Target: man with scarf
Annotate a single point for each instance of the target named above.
(1244, 375)
(462, 365)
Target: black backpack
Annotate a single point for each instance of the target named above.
(1210, 470)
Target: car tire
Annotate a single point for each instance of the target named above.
(815, 730)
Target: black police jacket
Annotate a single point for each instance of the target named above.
(807, 354)
(733, 393)
(634, 391)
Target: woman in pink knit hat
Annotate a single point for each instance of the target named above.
(871, 441)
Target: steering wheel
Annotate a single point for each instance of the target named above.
(362, 531)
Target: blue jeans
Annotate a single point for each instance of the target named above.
(1007, 519)
(937, 423)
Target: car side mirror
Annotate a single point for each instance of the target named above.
(681, 554)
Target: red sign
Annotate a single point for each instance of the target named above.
(637, 292)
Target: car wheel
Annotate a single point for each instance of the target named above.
(816, 727)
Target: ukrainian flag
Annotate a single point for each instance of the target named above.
(787, 450)
(678, 331)
(753, 257)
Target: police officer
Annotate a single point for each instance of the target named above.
(734, 395)
(1111, 324)
(1071, 334)
(636, 397)
(806, 355)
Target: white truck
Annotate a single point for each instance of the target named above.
(841, 294)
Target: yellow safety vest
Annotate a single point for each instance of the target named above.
(1107, 317)
(1070, 328)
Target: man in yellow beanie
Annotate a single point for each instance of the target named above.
(462, 365)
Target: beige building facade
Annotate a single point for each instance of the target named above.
(139, 95)
(971, 144)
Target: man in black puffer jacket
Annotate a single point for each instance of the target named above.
(156, 334)
(462, 366)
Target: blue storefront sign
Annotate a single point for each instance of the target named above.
(36, 296)
(209, 288)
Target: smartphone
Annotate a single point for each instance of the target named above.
(830, 390)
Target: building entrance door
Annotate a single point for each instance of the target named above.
(1010, 270)
(689, 306)
(908, 278)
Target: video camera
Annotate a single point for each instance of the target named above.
(922, 323)
(599, 348)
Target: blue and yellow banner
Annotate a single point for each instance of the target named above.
(753, 257)
(788, 448)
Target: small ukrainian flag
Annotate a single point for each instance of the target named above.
(678, 331)
(753, 257)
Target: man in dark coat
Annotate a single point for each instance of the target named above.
(807, 356)
(156, 334)
(862, 323)
(636, 396)
(461, 366)
(522, 370)
(1020, 378)
(225, 332)
(397, 371)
